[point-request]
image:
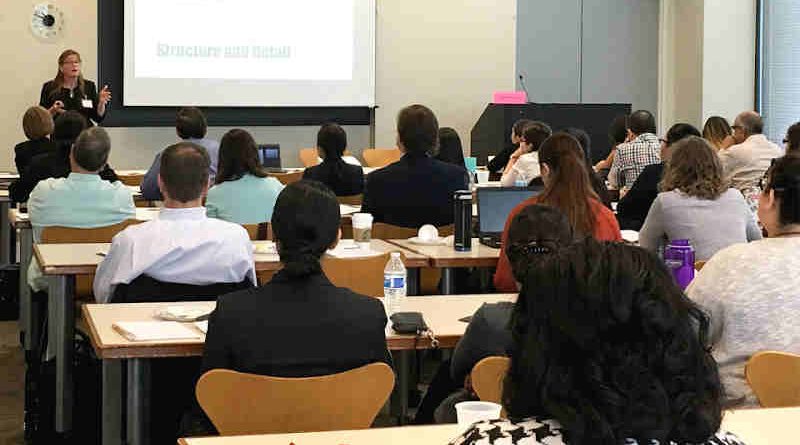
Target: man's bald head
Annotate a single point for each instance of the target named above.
(751, 122)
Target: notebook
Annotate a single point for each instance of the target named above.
(155, 331)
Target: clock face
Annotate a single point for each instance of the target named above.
(47, 21)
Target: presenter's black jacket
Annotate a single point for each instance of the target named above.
(54, 164)
(295, 327)
(25, 151)
(633, 208)
(414, 191)
(344, 179)
(73, 99)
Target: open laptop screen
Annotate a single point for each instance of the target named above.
(496, 203)
(270, 155)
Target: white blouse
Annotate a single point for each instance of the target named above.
(525, 169)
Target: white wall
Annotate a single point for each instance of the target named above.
(707, 56)
(729, 39)
(448, 54)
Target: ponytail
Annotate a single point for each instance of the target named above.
(569, 187)
(784, 180)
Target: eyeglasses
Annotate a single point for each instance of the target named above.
(663, 141)
(736, 127)
(785, 141)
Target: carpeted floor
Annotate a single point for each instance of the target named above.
(12, 386)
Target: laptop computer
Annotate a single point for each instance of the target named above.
(494, 206)
(270, 157)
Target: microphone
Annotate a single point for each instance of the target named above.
(524, 88)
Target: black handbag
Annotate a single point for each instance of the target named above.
(412, 323)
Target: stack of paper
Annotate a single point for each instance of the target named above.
(351, 249)
(155, 331)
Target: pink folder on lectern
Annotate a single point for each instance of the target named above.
(510, 97)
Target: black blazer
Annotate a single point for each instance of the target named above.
(487, 334)
(414, 191)
(54, 164)
(344, 179)
(25, 151)
(501, 160)
(73, 100)
(295, 328)
(633, 208)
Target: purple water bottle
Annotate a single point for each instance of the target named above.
(679, 257)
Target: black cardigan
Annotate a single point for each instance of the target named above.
(73, 99)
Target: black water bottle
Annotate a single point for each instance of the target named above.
(462, 206)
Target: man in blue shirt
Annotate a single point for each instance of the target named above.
(82, 199)
(191, 126)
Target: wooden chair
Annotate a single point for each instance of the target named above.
(361, 275)
(309, 157)
(287, 178)
(259, 232)
(429, 277)
(239, 403)
(487, 378)
(132, 180)
(775, 378)
(353, 200)
(381, 157)
(67, 235)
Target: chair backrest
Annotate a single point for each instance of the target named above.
(487, 378)
(388, 231)
(775, 378)
(309, 157)
(361, 275)
(239, 403)
(381, 157)
(134, 180)
(67, 235)
(353, 200)
(259, 232)
(287, 178)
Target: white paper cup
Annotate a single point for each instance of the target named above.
(483, 176)
(471, 412)
(362, 228)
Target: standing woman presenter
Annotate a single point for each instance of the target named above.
(70, 91)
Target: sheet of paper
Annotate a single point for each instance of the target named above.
(351, 249)
(202, 326)
(155, 330)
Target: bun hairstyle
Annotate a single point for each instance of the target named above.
(784, 179)
(606, 343)
(305, 224)
(535, 232)
(569, 187)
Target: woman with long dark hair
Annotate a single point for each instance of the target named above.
(70, 91)
(606, 349)
(343, 177)
(567, 187)
(450, 149)
(244, 193)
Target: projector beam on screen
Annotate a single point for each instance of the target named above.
(249, 53)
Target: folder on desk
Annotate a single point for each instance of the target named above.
(155, 331)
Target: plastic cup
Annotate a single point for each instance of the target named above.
(362, 228)
(471, 163)
(483, 176)
(470, 412)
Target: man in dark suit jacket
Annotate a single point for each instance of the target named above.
(417, 189)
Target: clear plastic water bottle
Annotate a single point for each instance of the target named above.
(394, 283)
(520, 183)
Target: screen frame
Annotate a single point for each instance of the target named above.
(535, 190)
(110, 66)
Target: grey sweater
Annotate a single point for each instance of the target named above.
(709, 225)
(752, 293)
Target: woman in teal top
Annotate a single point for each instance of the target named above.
(244, 193)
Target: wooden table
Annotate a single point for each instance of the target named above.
(441, 313)
(61, 263)
(447, 258)
(754, 427)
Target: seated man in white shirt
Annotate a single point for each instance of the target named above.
(182, 246)
(82, 199)
(747, 155)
